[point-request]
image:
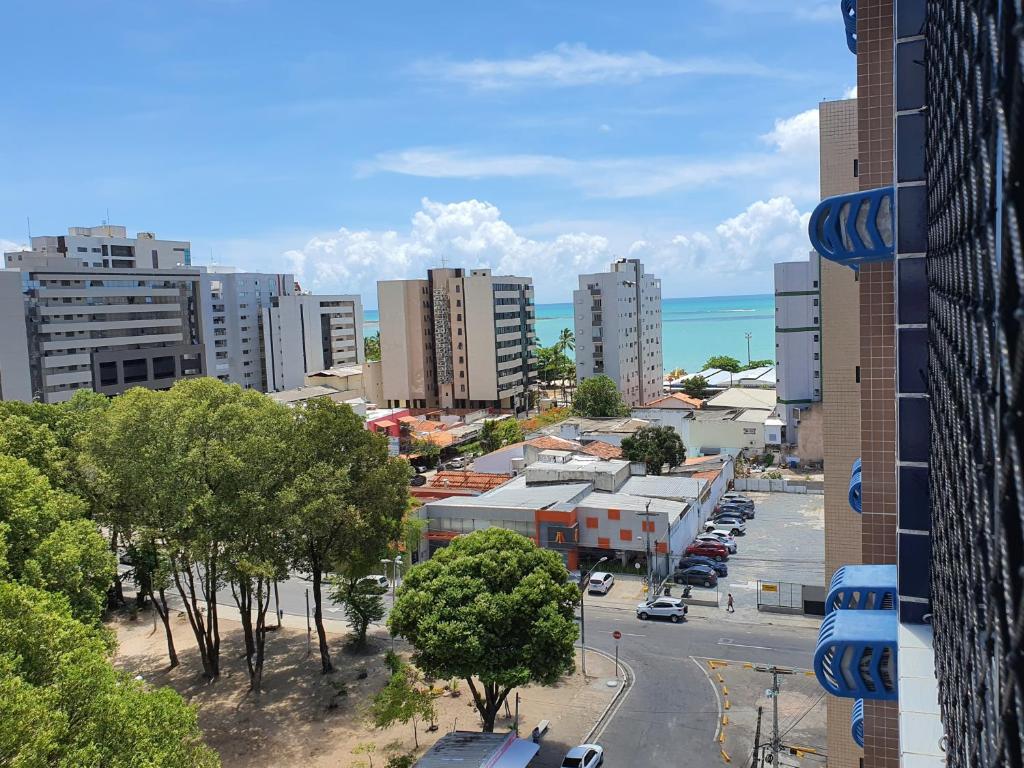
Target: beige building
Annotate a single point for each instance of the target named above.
(351, 381)
(840, 366)
(460, 339)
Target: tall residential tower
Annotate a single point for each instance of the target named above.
(460, 339)
(618, 330)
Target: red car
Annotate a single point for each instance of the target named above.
(708, 549)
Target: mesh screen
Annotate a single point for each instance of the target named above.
(975, 272)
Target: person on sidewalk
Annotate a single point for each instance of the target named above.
(730, 608)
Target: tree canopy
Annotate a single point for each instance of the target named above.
(494, 434)
(696, 386)
(492, 608)
(656, 447)
(598, 396)
(372, 347)
(724, 363)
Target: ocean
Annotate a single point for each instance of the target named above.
(693, 329)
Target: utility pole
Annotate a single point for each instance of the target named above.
(775, 717)
(645, 516)
(755, 758)
(748, 334)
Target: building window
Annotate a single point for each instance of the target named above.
(817, 374)
(815, 284)
(856, 168)
(857, 374)
(815, 319)
(815, 302)
(816, 356)
(815, 338)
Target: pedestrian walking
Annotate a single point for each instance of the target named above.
(729, 606)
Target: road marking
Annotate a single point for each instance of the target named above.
(727, 641)
(632, 634)
(718, 698)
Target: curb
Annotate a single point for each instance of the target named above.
(628, 678)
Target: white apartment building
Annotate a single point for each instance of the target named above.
(232, 322)
(461, 339)
(797, 340)
(304, 333)
(618, 330)
(106, 246)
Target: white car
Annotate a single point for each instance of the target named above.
(729, 525)
(671, 608)
(584, 756)
(380, 581)
(722, 537)
(600, 583)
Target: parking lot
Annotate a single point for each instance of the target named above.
(784, 542)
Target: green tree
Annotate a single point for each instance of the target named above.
(75, 561)
(696, 386)
(372, 344)
(724, 363)
(497, 433)
(763, 363)
(510, 431)
(364, 604)
(656, 447)
(346, 499)
(566, 340)
(492, 608)
(402, 700)
(427, 450)
(62, 703)
(490, 440)
(597, 397)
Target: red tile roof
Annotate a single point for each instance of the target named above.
(465, 479)
(682, 397)
(551, 443)
(602, 450)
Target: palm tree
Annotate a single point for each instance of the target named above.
(566, 340)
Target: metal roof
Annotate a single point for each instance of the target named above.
(469, 749)
(663, 486)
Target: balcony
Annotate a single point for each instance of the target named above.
(856, 655)
(857, 723)
(854, 229)
(855, 487)
(849, 9)
(862, 588)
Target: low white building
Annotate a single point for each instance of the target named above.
(725, 430)
(670, 410)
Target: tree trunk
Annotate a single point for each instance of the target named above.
(242, 592)
(318, 615)
(262, 603)
(490, 703)
(165, 616)
(213, 623)
(184, 580)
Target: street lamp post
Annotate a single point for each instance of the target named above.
(583, 626)
(395, 565)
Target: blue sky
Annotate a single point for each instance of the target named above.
(350, 141)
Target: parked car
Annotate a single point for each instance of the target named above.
(727, 519)
(600, 583)
(720, 568)
(714, 550)
(700, 575)
(671, 608)
(739, 510)
(737, 498)
(417, 480)
(584, 756)
(722, 537)
(378, 580)
(458, 462)
(728, 524)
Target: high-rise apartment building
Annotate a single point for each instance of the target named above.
(460, 339)
(232, 319)
(618, 330)
(96, 309)
(840, 372)
(95, 314)
(303, 333)
(797, 341)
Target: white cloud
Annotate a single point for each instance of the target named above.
(619, 177)
(850, 93)
(796, 134)
(576, 64)
(734, 256)
(7, 246)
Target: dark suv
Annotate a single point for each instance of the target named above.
(720, 568)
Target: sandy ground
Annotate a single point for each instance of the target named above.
(306, 719)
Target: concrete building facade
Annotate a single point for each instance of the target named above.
(304, 333)
(232, 307)
(459, 340)
(840, 352)
(797, 341)
(102, 328)
(617, 315)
